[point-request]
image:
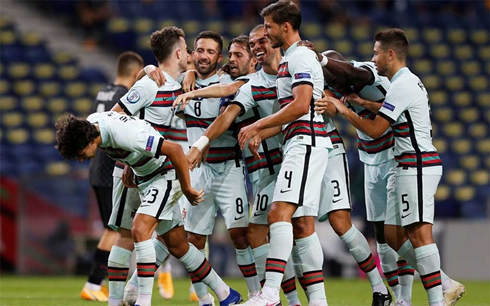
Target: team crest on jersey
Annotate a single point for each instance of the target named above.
(302, 75)
(149, 143)
(389, 106)
(133, 96)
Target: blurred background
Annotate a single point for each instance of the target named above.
(56, 55)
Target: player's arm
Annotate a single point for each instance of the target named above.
(213, 91)
(176, 155)
(346, 71)
(367, 104)
(117, 108)
(373, 128)
(255, 142)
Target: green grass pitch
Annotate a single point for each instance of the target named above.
(40, 291)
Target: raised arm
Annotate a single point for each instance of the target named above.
(213, 91)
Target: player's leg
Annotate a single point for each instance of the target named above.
(118, 266)
(233, 203)
(94, 288)
(198, 266)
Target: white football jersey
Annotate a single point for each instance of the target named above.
(406, 107)
(130, 140)
(373, 151)
(299, 66)
(199, 114)
(258, 99)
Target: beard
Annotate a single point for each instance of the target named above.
(205, 70)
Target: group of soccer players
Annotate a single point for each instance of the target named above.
(275, 126)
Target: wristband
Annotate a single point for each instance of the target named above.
(149, 68)
(201, 143)
(324, 61)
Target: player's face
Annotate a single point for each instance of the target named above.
(240, 60)
(88, 152)
(273, 32)
(261, 47)
(206, 56)
(183, 51)
(380, 59)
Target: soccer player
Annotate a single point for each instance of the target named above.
(255, 100)
(408, 225)
(136, 143)
(100, 176)
(223, 167)
(306, 148)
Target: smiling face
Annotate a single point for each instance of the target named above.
(273, 32)
(206, 56)
(380, 59)
(261, 47)
(239, 60)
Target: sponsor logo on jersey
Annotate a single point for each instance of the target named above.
(389, 106)
(133, 96)
(302, 75)
(149, 143)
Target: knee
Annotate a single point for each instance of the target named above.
(303, 227)
(239, 237)
(199, 241)
(140, 232)
(340, 225)
(257, 235)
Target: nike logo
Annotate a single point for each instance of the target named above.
(236, 219)
(335, 201)
(404, 216)
(284, 191)
(256, 214)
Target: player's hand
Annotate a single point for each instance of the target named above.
(254, 146)
(193, 158)
(339, 105)
(248, 132)
(312, 47)
(156, 75)
(324, 106)
(352, 98)
(184, 99)
(189, 81)
(128, 177)
(204, 155)
(193, 196)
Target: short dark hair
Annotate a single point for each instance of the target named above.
(73, 135)
(283, 11)
(256, 28)
(127, 62)
(395, 39)
(242, 40)
(211, 35)
(162, 42)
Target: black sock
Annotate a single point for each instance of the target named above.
(98, 272)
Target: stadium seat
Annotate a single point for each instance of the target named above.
(49, 89)
(82, 106)
(44, 136)
(484, 53)
(94, 89)
(443, 114)
(478, 131)
(361, 32)
(4, 87)
(75, 90)
(469, 162)
(37, 120)
(483, 99)
(143, 26)
(311, 30)
(57, 105)
(12, 50)
(439, 51)
(456, 177)
(8, 103)
(469, 114)
(431, 82)
(470, 68)
(483, 146)
(443, 192)
(217, 26)
(455, 83)
(365, 50)
(479, 36)
(462, 98)
(64, 58)
(237, 28)
(120, 34)
(446, 67)
(44, 71)
(480, 178)
(464, 52)
(456, 36)
(465, 193)
(32, 103)
(335, 31)
(168, 22)
(438, 98)
(432, 35)
(192, 27)
(24, 88)
(416, 50)
(423, 66)
(344, 46)
(478, 83)
(35, 50)
(461, 146)
(68, 73)
(17, 136)
(19, 70)
(57, 168)
(440, 144)
(12, 119)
